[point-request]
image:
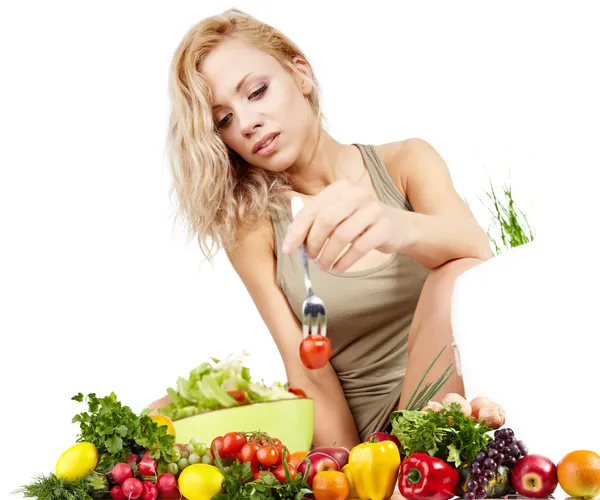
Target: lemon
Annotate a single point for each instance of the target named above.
(77, 461)
(200, 482)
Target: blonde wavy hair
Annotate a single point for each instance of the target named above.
(216, 191)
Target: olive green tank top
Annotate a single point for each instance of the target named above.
(369, 312)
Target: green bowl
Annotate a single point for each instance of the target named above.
(289, 420)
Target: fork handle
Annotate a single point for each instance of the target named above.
(297, 204)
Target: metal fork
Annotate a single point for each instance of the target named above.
(314, 317)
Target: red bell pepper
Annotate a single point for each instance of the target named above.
(423, 477)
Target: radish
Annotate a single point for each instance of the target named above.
(132, 488)
(121, 472)
(167, 486)
(133, 458)
(150, 491)
(147, 466)
(117, 493)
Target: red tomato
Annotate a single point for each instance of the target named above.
(298, 392)
(279, 472)
(218, 443)
(315, 351)
(276, 442)
(257, 475)
(239, 396)
(248, 453)
(233, 442)
(268, 455)
(280, 449)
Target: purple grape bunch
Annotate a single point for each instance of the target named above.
(504, 450)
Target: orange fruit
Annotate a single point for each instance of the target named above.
(296, 458)
(579, 474)
(331, 485)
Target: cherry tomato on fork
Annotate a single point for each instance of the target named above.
(315, 351)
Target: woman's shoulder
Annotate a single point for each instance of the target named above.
(253, 238)
(406, 157)
(412, 149)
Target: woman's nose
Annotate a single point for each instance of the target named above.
(249, 123)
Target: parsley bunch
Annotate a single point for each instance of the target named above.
(447, 434)
(116, 430)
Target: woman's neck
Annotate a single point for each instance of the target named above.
(321, 163)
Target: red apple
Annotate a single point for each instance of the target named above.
(338, 453)
(318, 462)
(382, 436)
(534, 476)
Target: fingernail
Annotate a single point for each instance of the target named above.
(285, 248)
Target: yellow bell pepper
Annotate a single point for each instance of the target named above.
(374, 467)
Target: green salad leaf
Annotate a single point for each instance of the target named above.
(447, 434)
(209, 387)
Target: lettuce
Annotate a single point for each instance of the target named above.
(208, 387)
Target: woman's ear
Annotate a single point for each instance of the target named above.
(302, 73)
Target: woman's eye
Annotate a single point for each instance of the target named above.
(259, 92)
(224, 122)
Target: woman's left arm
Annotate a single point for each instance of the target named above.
(441, 228)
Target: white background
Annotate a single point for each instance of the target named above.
(100, 293)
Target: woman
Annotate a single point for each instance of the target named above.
(246, 136)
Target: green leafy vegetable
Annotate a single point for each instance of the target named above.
(56, 488)
(115, 429)
(240, 483)
(420, 399)
(208, 386)
(447, 434)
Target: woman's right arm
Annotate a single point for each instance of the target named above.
(255, 262)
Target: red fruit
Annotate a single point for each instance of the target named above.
(117, 493)
(121, 472)
(132, 488)
(534, 476)
(167, 486)
(248, 453)
(279, 473)
(218, 444)
(339, 453)
(318, 462)
(298, 392)
(239, 396)
(268, 455)
(383, 436)
(147, 467)
(150, 491)
(315, 351)
(133, 458)
(233, 443)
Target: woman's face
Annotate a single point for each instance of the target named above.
(260, 108)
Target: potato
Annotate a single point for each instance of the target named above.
(453, 397)
(433, 405)
(493, 417)
(481, 402)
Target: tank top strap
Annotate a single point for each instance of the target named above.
(385, 186)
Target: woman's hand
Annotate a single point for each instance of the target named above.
(343, 215)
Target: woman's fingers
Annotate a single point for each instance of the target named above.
(326, 224)
(367, 241)
(299, 228)
(345, 233)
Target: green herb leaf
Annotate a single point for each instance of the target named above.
(447, 434)
(51, 487)
(114, 428)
